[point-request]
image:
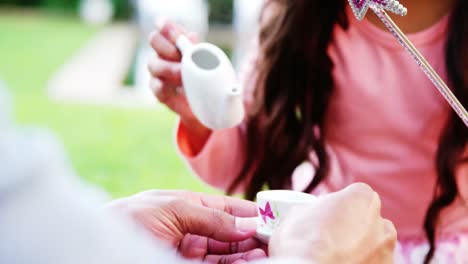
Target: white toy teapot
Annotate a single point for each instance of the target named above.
(210, 84)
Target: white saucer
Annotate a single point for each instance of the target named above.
(263, 236)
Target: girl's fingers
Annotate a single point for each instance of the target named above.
(164, 47)
(168, 72)
(171, 31)
(165, 93)
(164, 39)
(171, 96)
(155, 85)
(193, 37)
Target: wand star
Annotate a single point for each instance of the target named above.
(360, 7)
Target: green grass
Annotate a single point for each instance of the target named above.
(124, 151)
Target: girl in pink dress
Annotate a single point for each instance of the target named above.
(333, 101)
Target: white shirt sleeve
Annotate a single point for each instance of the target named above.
(49, 216)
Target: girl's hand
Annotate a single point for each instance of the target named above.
(343, 227)
(166, 81)
(215, 229)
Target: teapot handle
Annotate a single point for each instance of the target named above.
(183, 44)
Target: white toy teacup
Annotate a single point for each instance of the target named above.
(210, 84)
(272, 207)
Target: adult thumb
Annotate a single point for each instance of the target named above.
(216, 224)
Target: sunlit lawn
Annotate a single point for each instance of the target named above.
(122, 150)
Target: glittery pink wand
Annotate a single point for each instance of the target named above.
(360, 8)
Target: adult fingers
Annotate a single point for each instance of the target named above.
(240, 261)
(230, 205)
(196, 247)
(225, 248)
(390, 230)
(383, 246)
(361, 196)
(213, 223)
(360, 190)
(252, 255)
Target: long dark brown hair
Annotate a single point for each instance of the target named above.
(293, 89)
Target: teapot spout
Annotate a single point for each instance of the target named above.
(235, 107)
(235, 92)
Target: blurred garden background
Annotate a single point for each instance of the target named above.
(77, 68)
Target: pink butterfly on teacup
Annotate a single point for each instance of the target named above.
(266, 213)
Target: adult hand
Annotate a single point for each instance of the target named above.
(166, 81)
(343, 227)
(215, 229)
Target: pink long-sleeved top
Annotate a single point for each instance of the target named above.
(382, 128)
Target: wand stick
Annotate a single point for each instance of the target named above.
(360, 8)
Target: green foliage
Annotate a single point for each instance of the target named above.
(122, 8)
(221, 11)
(20, 2)
(61, 5)
(123, 150)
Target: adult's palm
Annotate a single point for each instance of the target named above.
(215, 229)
